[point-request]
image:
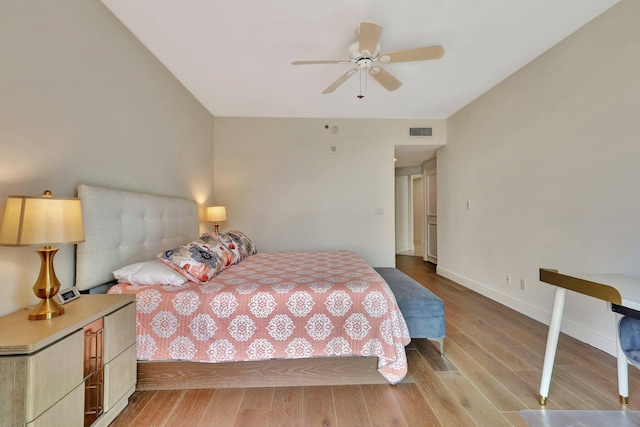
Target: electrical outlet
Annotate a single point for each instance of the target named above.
(523, 284)
(507, 279)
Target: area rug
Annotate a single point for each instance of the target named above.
(548, 418)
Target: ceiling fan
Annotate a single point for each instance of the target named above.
(365, 53)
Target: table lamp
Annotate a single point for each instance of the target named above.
(43, 221)
(215, 214)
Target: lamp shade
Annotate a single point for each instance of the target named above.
(215, 214)
(41, 221)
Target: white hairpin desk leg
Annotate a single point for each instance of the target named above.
(623, 369)
(552, 343)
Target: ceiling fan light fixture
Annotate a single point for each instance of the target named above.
(364, 64)
(385, 59)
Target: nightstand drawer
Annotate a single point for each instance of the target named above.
(119, 331)
(66, 413)
(53, 372)
(121, 376)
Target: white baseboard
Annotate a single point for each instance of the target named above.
(604, 343)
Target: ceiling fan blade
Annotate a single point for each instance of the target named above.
(343, 78)
(418, 54)
(369, 37)
(385, 79)
(322, 61)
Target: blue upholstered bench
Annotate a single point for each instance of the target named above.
(422, 309)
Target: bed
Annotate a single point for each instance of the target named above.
(291, 318)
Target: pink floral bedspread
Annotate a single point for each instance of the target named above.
(273, 306)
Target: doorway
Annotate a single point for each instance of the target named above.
(416, 209)
(409, 215)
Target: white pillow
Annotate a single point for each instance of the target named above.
(149, 273)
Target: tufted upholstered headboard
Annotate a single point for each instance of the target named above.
(123, 227)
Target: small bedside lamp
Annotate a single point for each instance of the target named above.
(43, 221)
(216, 214)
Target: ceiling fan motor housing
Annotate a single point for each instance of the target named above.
(356, 54)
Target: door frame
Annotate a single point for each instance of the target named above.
(429, 172)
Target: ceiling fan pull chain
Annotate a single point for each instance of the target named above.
(361, 95)
(366, 81)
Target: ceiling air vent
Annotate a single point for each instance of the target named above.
(420, 131)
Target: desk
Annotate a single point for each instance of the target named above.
(615, 288)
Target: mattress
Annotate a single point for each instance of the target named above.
(275, 306)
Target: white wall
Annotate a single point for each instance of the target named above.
(82, 101)
(549, 161)
(287, 191)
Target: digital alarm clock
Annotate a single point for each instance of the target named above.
(68, 294)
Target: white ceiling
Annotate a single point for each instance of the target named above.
(235, 56)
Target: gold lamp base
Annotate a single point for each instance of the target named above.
(46, 287)
(46, 309)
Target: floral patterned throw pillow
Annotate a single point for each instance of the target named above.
(198, 260)
(238, 243)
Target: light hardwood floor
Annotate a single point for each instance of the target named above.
(491, 370)
(418, 250)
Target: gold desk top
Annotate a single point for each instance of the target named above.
(581, 285)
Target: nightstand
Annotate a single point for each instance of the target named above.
(73, 370)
